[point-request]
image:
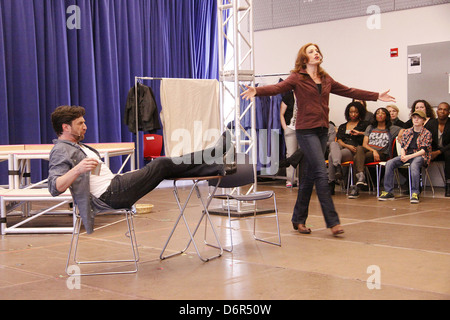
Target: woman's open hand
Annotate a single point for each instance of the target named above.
(249, 93)
(384, 96)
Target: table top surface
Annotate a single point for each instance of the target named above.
(42, 192)
(46, 148)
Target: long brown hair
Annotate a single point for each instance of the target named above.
(428, 108)
(302, 60)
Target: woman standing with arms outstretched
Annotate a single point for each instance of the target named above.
(312, 87)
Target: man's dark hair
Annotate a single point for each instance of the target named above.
(65, 115)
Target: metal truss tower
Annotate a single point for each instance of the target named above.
(236, 69)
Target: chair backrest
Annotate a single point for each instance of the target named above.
(244, 174)
(152, 145)
(398, 146)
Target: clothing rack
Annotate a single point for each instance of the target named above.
(268, 76)
(271, 75)
(137, 80)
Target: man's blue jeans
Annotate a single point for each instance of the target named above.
(416, 166)
(313, 143)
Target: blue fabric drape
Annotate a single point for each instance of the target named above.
(44, 63)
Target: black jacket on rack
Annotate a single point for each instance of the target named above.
(148, 119)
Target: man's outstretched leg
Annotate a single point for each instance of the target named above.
(127, 189)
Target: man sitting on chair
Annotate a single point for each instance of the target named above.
(95, 188)
(440, 130)
(416, 150)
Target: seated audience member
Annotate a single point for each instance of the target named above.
(377, 146)
(288, 115)
(369, 114)
(332, 131)
(349, 136)
(421, 105)
(71, 163)
(440, 131)
(416, 150)
(393, 110)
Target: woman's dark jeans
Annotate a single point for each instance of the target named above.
(313, 143)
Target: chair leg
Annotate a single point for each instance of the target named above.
(74, 240)
(350, 177)
(370, 184)
(427, 176)
(278, 225)
(441, 172)
(378, 172)
(409, 179)
(205, 215)
(74, 247)
(229, 227)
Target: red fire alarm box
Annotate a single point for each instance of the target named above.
(394, 52)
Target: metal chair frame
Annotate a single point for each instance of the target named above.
(130, 234)
(262, 195)
(204, 216)
(244, 176)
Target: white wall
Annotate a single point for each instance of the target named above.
(355, 55)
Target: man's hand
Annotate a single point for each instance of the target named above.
(405, 158)
(87, 164)
(65, 181)
(434, 154)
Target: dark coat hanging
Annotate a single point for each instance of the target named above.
(148, 119)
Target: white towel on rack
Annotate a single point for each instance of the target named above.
(190, 115)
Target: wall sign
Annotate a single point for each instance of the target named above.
(394, 52)
(414, 63)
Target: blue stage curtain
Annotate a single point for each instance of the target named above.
(44, 63)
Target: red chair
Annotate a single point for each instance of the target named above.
(152, 146)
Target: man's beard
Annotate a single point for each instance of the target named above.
(78, 137)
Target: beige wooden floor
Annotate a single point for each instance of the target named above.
(408, 245)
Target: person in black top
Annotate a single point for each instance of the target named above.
(440, 130)
(288, 115)
(424, 106)
(349, 136)
(393, 110)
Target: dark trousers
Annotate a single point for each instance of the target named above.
(314, 172)
(446, 158)
(125, 190)
(363, 156)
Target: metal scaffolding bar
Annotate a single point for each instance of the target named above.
(236, 69)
